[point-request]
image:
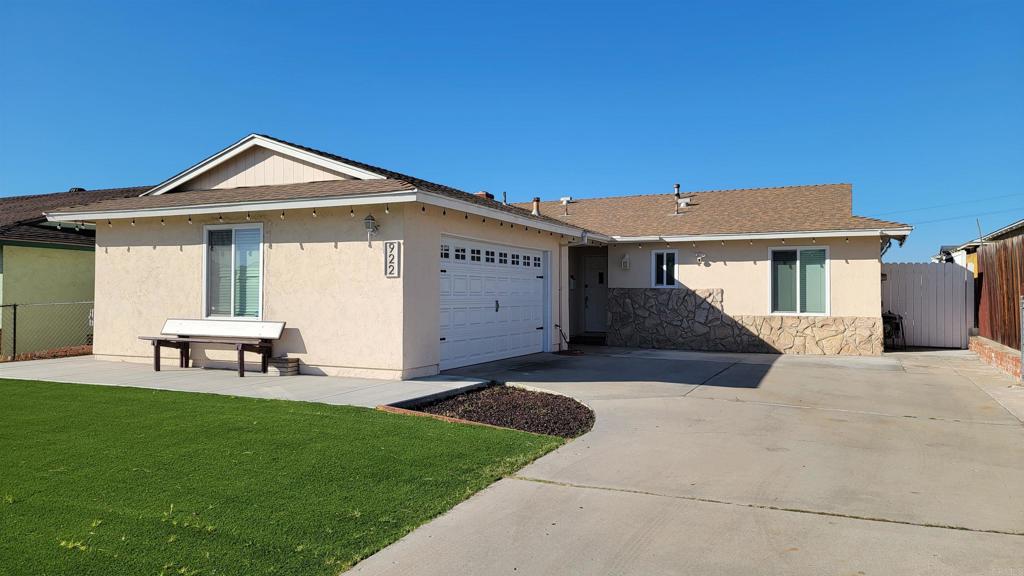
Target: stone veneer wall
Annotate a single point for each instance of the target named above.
(687, 319)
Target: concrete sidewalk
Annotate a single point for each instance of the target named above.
(365, 392)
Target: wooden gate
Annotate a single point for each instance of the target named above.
(936, 301)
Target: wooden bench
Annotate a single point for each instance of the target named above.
(245, 336)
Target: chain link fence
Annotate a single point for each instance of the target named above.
(51, 330)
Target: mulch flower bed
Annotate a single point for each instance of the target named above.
(511, 407)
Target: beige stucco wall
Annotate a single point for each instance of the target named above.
(741, 269)
(423, 231)
(343, 316)
(320, 277)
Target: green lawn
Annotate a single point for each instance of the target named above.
(103, 480)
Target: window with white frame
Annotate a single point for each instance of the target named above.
(234, 271)
(799, 283)
(663, 268)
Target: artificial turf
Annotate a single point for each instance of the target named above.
(107, 481)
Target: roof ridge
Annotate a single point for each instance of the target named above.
(83, 191)
(705, 191)
(424, 185)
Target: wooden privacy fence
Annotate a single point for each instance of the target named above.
(1001, 284)
(936, 301)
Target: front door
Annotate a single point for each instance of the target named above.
(595, 294)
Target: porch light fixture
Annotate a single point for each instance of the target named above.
(351, 212)
(314, 212)
(189, 219)
(133, 221)
(58, 225)
(444, 212)
(162, 223)
(248, 216)
(370, 223)
(109, 224)
(282, 214)
(387, 209)
(220, 218)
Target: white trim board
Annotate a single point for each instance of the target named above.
(443, 202)
(271, 205)
(767, 235)
(251, 141)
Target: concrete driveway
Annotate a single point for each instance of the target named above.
(748, 464)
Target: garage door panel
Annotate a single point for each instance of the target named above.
(476, 275)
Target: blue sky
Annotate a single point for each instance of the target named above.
(919, 104)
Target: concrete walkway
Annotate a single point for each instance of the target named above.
(744, 464)
(365, 392)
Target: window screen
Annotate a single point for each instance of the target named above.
(784, 280)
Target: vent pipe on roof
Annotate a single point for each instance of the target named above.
(485, 194)
(565, 200)
(678, 200)
(504, 198)
(536, 206)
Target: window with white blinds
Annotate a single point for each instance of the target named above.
(234, 271)
(799, 283)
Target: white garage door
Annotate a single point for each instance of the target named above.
(492, 302)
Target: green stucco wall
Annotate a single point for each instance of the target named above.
(38, 274)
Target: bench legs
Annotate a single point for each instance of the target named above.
(185, 354)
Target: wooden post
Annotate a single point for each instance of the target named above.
(241, 360)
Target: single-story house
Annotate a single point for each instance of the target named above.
(42, 262)
(378, 273)
(966, 254)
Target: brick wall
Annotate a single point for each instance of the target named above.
(1003, 357)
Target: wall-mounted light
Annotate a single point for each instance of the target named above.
(847, 240)
(444, 212)
(189, 219)
(133, 221)
(110, 224)
(58, 225)
(370, 223)
(248, 216)
(814, 240)
(624, 262)
(351, 212)
(282, 214)
(220, 218)
(162, 223)
(314, 212)
(387, 209)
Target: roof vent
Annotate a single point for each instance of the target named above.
(76, 189)
(536, 206)
(565, 200)
(485, 195)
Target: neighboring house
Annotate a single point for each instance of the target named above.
(382, 274)
(41, 262)
(966, 254)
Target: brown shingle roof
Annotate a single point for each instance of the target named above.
(392, 182)
(20, 215)
(270, 193)
(424, 185)
(751, 210)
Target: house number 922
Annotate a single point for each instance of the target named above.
(392, 259)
